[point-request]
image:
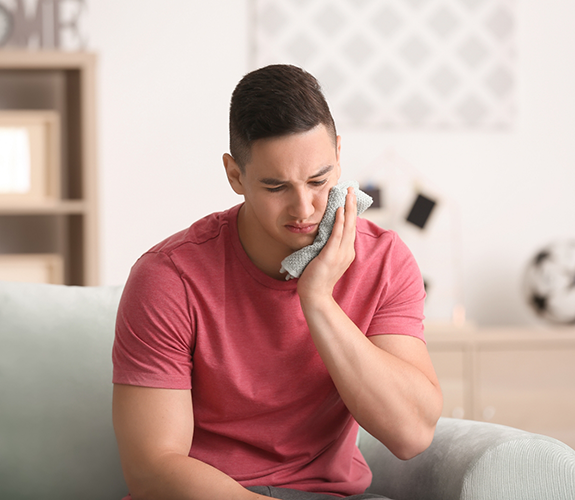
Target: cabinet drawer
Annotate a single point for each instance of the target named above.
(533, 390)
(450, 368)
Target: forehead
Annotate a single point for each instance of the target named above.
(304, 152)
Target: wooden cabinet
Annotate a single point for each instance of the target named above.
(61, 227)
(451, 369)
(520, 377)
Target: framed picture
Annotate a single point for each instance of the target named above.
(32, 268)
(29, 156)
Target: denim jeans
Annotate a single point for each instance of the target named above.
(287, 494)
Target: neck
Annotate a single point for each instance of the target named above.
(261, 250)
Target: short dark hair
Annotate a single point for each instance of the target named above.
(274, 101)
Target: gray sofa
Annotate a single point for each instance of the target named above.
(57, 441)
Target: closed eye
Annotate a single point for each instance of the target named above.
(282, 187)
(318, 183)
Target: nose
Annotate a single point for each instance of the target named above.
(301, 204)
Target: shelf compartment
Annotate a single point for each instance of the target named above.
(32, 142)
(32, 268)
(62, 83)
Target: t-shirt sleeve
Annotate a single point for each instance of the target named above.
(400, 309)
(154, 338)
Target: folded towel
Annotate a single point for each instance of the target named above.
(295, 263)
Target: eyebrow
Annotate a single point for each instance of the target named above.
(270, 181)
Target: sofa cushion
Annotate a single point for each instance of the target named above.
(56, 434)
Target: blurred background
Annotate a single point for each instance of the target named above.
(501, 174)
(458, 116)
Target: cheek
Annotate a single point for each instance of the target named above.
(268, 206)
(321, 198)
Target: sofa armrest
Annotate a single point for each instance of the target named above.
(471, 460)
(56, 436)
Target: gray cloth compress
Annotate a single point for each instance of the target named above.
(295, 263)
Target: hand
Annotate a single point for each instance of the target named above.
(323, 272)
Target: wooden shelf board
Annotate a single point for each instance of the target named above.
(60, 207)
(44, 59)
(518, 338)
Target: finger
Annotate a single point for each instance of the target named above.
(338, 226)
(334, 241)
(348, 235)
(351, 205)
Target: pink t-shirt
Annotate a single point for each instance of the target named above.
(197, 314)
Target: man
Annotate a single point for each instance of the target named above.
(233, 383)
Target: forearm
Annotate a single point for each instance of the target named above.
(177, 477)
(388, 396)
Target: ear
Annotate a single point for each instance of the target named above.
(233, 173)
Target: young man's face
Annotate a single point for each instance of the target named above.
(286, 185)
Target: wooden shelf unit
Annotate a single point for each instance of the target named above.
(68, 226)
(517, 376)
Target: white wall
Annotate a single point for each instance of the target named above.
(167, 70)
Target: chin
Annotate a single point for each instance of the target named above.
(308, 241)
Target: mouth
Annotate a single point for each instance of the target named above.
(301, 228)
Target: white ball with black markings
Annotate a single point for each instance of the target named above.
(549, 282)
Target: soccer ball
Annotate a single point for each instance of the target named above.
(550, 282)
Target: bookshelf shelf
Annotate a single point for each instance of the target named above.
(65, 225)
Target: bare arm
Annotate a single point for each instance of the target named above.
(154, 430)
(387, 381)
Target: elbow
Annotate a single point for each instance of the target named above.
(417, 438)
(411, 450)
(413, 443)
